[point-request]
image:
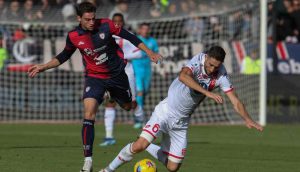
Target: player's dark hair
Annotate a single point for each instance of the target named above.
(144, 24)
(85, 7)
(217, 52)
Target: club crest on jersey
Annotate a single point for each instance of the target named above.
(102, 35)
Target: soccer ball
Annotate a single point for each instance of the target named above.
(145, 165)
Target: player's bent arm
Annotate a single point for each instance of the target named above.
(186, 77)
(241, 110)
(34, 70)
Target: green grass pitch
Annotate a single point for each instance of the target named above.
(57, 148)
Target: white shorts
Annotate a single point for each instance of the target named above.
(131, 78)
(174, 132)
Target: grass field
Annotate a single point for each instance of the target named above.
(57, 148)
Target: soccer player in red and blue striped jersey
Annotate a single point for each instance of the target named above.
(104, 65)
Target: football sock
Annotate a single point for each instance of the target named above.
(88, 135)
(124, 156)
(139, 114)
(140, 100)
(109, 118)
(157, 153)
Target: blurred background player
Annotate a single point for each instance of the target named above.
(104, 67)
(142, 70)
(130, 52)
(171, 117)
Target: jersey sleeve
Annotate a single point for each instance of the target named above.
(194, 64)
(131, 51)
(67, 51)
(225, 83)
(155, 46)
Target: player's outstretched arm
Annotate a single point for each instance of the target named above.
(186, 77)
(34, 70)
(241, 110)
(155, 57)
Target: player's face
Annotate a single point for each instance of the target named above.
(144, 30)
(211, 65)
(87, 21)
(118, 21)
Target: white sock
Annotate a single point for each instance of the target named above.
(124, 156)
(139, 113)
(89, 158)
(157, 153)
(109, 118)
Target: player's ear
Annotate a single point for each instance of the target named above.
(79, 19)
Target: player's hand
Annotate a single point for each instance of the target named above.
(156, 58)
(34, 70)
(217, 98)
(251, 124)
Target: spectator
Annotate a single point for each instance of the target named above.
(69, 12)
(172, 10)
(155, 10)
(13, 14)
(3, 9)
(28, 11)
(251, 64)
(121, 7)
(194, 27)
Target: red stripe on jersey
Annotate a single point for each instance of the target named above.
(84, 139)
(136, 50)
(178, 157)
(149, 133)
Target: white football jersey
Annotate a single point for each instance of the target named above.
(183, 100)
(130, 51)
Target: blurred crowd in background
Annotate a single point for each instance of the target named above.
(56, 10)
(283, 14)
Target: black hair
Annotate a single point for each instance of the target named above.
(217, 52)
(144, 24)
(118, 15)
(85, 7)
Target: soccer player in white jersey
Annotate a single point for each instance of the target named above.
(202, 74)
(130, 52)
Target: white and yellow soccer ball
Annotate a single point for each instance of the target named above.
(145, 165)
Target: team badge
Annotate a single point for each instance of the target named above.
(102, 35)
(87, 89)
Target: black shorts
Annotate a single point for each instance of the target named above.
(118, 87)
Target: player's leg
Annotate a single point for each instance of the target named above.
(92, 97)
(150, 132)
(120, 91)
(139, 111)
(109, 118)
(131, 79)
(177, 148)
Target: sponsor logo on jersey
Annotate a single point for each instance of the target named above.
(87, 89)
(80, 43)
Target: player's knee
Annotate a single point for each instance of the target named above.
(126, 106)
(110, 104)
(140, 145)
(140, 93)
(89, 115)
(172, 167)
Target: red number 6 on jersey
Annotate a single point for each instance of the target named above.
(155, 128)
